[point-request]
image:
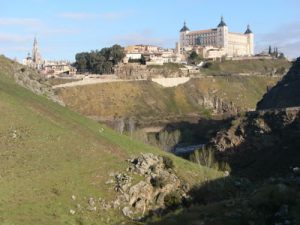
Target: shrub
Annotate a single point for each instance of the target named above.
(281, 70)
(172, 200)
(158, 182)
(204, 157)
(207, 65)
(270, 198)
(168, 162)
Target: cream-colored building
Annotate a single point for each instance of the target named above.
(230, 44)
(55, 68)
(142, 49)
(154, 55)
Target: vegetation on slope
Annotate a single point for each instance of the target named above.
(145, 99)
(258, 66)
(49, 153)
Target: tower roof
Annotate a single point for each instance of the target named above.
(248, 31)
(222, 23)
(184, 28)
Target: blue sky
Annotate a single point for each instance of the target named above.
(65, 27)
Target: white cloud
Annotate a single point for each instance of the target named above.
(29, 22)
(13, 38)
(144, 37)
(78, 16)
(58, 31)
(110, 16)
(20, 49)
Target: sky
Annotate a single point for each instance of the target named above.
(66, 27)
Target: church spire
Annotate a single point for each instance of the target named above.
(34, 41)
(36, 56)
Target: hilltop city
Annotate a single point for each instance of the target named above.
(197, 46)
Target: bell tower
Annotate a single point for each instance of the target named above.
(250, 39)
(222, 31)
(183, 42)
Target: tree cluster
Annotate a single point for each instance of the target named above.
(275, 53)
(99, 62)
(194, 58)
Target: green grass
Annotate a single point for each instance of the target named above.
(258, 66)
(49, 153)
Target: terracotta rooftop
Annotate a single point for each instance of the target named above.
(202, 31)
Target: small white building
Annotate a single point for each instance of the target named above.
(134, 56)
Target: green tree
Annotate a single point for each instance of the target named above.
(270, 50)
(81, 61)
(116, 54)
(99, 62)
(143, 60)
(194, 58)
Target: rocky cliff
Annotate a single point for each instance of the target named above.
(266, 142)
(261, 144)
(286, 93)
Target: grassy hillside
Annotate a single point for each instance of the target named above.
(258, 66)
(49, 153)
(147, 99)
(243, 91)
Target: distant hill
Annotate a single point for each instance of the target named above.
(286, 93)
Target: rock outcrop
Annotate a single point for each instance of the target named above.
(261, 144)
(157, 180)
(266, 142)
(286, 93)
(136, 71)
(33, 81)
(29, 78)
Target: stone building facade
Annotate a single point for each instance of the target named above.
(230, 44)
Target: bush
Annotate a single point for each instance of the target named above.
(270, 198)
(158, 182)
(281, 70)
(168, 162)
(207, 65)
(172, 200)
(204, 157)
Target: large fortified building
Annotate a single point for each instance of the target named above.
(231, 44)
